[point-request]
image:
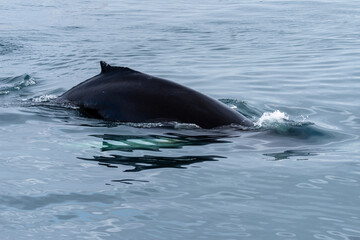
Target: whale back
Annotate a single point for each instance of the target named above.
(123, 94)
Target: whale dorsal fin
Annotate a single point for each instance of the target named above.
(106, 67)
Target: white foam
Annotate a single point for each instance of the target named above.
(272, 117)
(304, 118)
(28, 81)
(43, 98)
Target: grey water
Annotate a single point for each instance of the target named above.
(292, 67)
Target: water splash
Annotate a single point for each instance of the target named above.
(272, 118)
(279, 123)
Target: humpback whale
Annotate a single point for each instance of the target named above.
(125, 95)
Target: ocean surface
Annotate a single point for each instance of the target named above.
(292, 67)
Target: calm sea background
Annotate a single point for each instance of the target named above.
(293, 67)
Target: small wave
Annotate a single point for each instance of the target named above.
(272, 118)
(242, 107)
(279, 123)
(8, 85)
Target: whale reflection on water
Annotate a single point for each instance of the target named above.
(153, 143)
(147, 162)
(298, 154)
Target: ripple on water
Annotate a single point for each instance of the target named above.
(7, 47)
(303, 154)
(295, 56)
(13, 84)
(340, 179)
(35, 202)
